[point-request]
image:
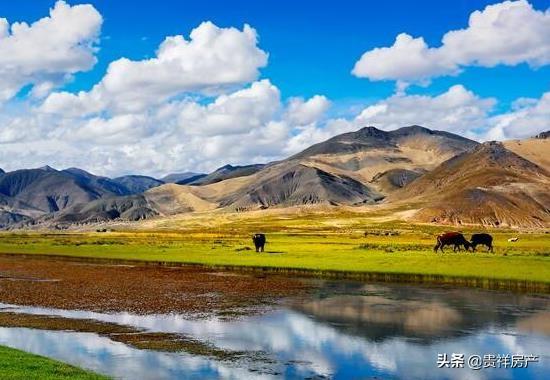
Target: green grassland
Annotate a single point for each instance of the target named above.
(320, 243)
(15, 364)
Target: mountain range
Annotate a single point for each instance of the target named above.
(438, 176)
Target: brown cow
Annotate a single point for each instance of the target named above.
(455, 239)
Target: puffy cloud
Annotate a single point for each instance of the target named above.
(508, 33)
(406, 60)
(238, 112)
(68, 104)
(120, 129)
(305, 136)
(528, 118)
(198, 105)
(247, 125)
(211, 61)
(457, 110)
(158, 115)
(301, 112)
(46, 52)
(232, 114)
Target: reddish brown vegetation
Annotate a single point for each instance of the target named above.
(137, 289)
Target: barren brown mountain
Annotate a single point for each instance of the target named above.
(536, 150)
(354, 168)
(440, 177)
(369, 153)
(490, 185)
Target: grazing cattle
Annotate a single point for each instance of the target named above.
(259, 242)
(511, 240)
(481, 239)
(456, 239)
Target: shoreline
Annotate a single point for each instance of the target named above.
(513, 285)
(20, 364)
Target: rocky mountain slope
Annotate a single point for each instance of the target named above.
(369, 152)
(354, 168)
(543, 135)
(223, 173)
(180, 177)
(137, 184)
(536, 150)
(490, 185)
(132, 207)
(442, 177)
(31, 194)
(291, 184)
(50, 190)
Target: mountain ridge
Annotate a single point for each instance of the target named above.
(178, 177)
(451, 178)
(489, 185)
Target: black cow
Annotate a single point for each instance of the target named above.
(259, 242)
(455, 239)
(482, 239)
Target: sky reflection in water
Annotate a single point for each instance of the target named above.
(345, 330)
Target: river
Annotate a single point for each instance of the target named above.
(337, 330)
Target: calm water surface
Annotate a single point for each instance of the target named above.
(343, 330)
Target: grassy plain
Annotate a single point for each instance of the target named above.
(17, 364)
(329, 243)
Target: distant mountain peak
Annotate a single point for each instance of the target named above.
(225, 167)
(413, 130)
(137, 176)
(235, 167)
(496, 153)
(137, 184)
(371, 131)
(78, 172)
(488, 185)
(369, 138)
(2, 171)
(543, 135)
(225, 172)
(494, 150)
(47, 168)
(493, 144)
(490, 146)
(178, 177)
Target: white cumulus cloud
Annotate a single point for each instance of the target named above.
(46, 52)
(199, 103)
(302, 112)
(457, 110)
(237, 112)
(211, 61)
(243, 126)
(508, 33)
(408, 59)
(528, 118)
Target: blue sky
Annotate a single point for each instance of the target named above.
(312, 45)
(87, 77)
